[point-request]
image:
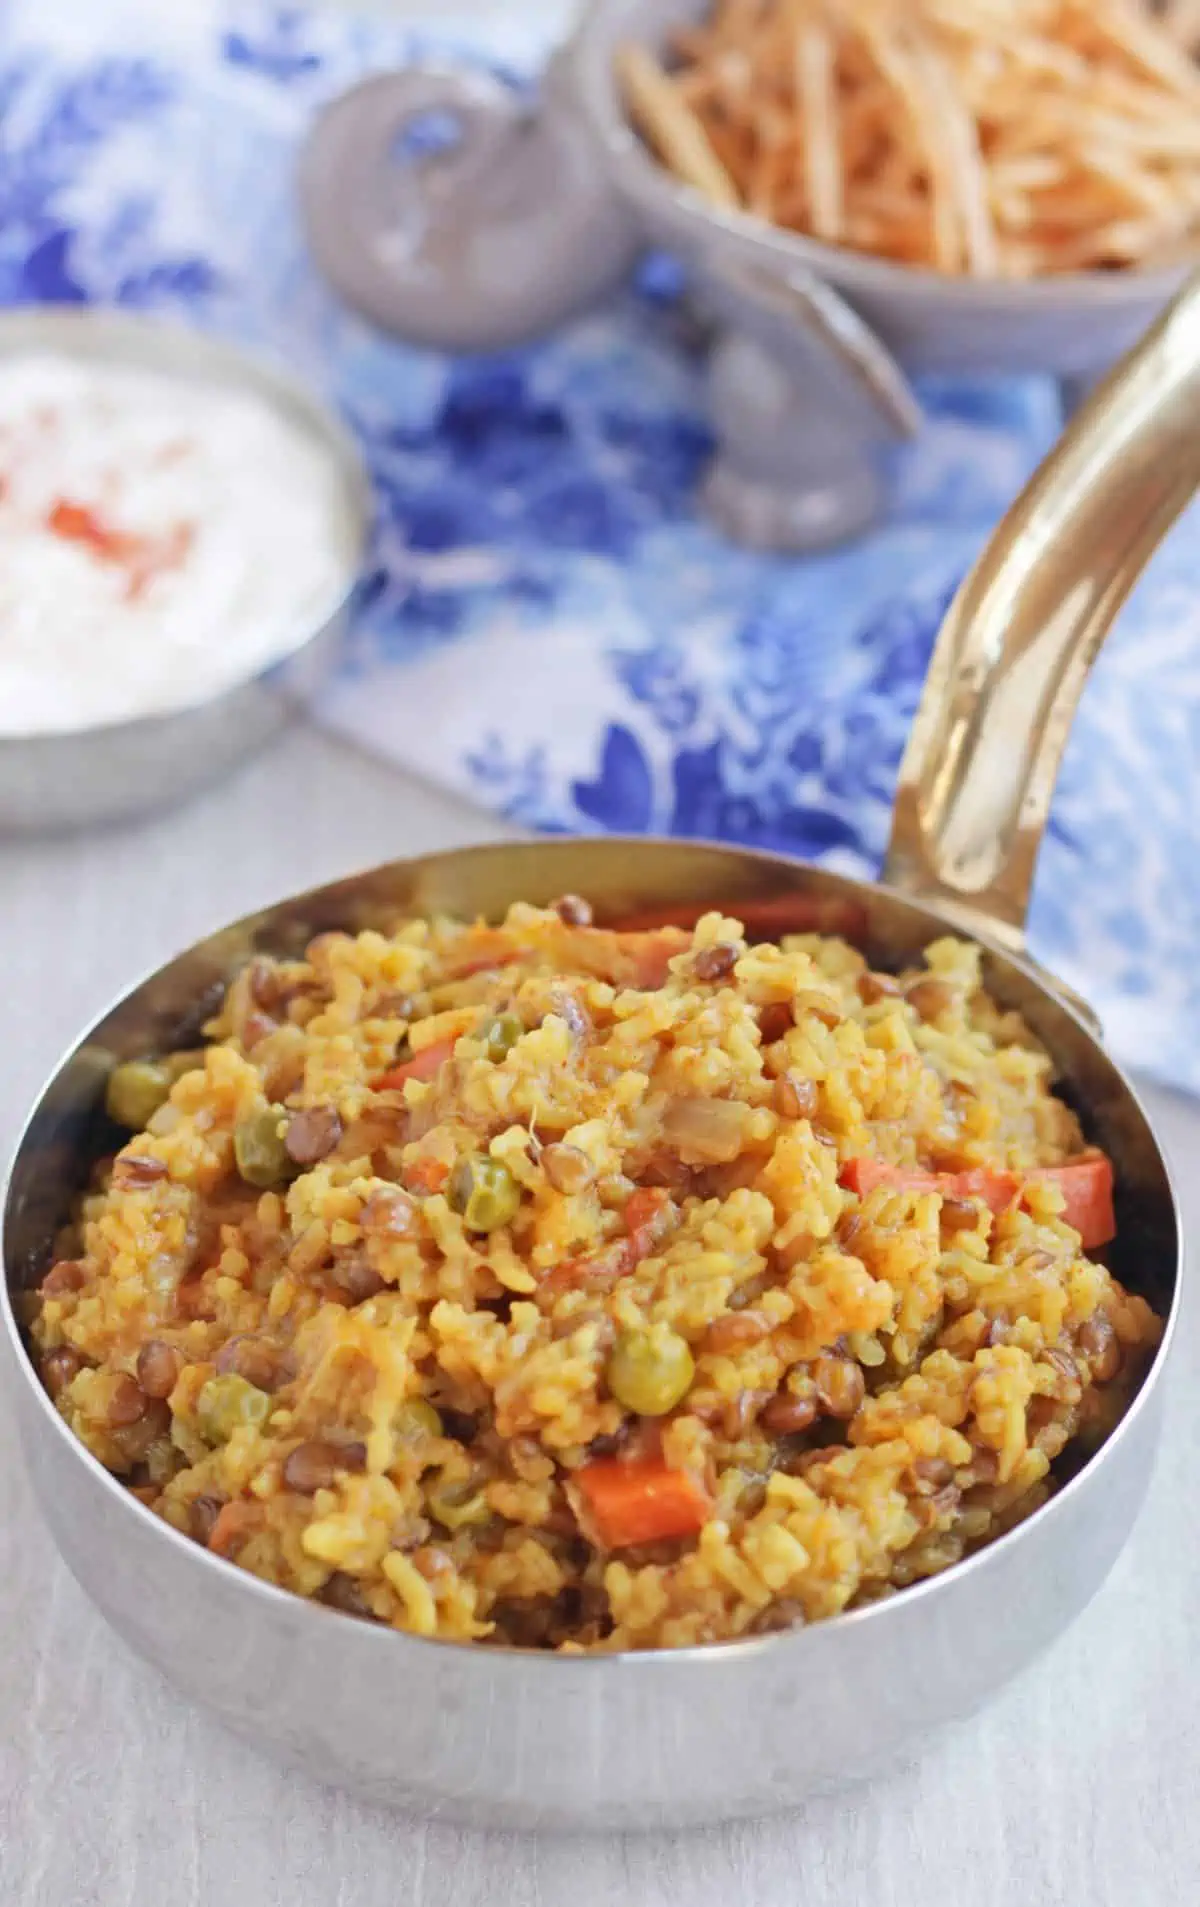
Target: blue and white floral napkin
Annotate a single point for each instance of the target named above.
(547, 625)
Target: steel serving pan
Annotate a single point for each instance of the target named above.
(518, 1739)
(536, 213)
(83, 777)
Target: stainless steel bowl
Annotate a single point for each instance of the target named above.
(536, 213)
(84, 777)
(518, 1739)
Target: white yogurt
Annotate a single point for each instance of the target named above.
(159, 540)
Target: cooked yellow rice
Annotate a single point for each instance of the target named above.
(904, 1390)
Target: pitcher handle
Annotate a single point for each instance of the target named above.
(492, 240)
(1020, 636)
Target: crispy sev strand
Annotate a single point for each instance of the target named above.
(672, 127)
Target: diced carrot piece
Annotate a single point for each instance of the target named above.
(564, 1276)
(1086, 1184)
(641, 1502)
(764, 916)
(234, 1520)
(645, 1216)
(597, 1272)
(996, 1188)
(863, 1175)
(426, 1175)
(422, 1065)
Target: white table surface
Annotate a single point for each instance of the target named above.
(1078, 1788)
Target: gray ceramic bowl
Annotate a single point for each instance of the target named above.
(536, 214)
(83, 777)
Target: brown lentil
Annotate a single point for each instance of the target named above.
(345, 1593)
(311, 1135)
(774, 1020)
(716, 962)
(390, 1215)
(155, 1421)
(734, 1331)
(59, 1367)
(431, 1563)
(931, 1474)
(840, 1384)
(1101, 1347)
(1065, 1365)
(933, 1509)
(573, 911)
(158, 1368)
(784, 1613)
(873, 987)
(203, 1515)
(354, 1274)
(797, 1249)
(394, 1006)
(984, 1467)
(257, 1027)
(929, 999)
(315, 1465)
(740, 1412)
(252, 1358)
(574, 1013)
(133, 1170)
(262, 982)
(127, 1402)
(786, 1415)
(821, 1008)
(1041, 1414)
(806, 1461)
(568, 1168)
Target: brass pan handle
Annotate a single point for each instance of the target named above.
(1019, 639)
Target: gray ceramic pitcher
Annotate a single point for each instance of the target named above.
(539, 210)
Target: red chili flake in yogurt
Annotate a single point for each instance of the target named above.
(160, 539)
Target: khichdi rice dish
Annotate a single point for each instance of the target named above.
(573, 1289)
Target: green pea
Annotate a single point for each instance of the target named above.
(135, 1092)
(485, 1192)
(458, 1508)
(500, 1034)
(416, 1417)
(227, 1404)
(259, 1149)
(649, 1371)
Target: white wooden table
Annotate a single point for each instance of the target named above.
(1077, 1789)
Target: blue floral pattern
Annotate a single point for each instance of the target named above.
(546, 624)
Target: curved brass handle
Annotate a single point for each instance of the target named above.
(1020, 636)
